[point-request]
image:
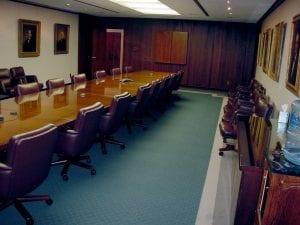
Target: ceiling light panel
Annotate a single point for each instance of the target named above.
(147, 6)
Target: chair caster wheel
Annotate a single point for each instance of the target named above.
(93, 171)
(221, 153)
(49, 201)
(29, 221)
(65, 177)
(122, 146)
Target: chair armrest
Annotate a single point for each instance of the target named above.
(245, 102)
(4, 167)
(244, 112)
(2, 88)
(31, 78)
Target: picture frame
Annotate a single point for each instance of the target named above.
(61, 38)
(29, 38)
(293, 72)
(276, 51)
(267, 50)
(260, 49)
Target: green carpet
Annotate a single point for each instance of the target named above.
(157, 180)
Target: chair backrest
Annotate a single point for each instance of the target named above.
(112, 120)
(55, 83)
(18, 75)
(263, 108)
(154, 89)
(25, 89)
(81, 139)
(142, 96)
(5, 81)
(116, 71)
(78, 78)
(128, 69)
(28, 161)
(179, 79)
(99, 74)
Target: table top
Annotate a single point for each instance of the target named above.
(60, 106)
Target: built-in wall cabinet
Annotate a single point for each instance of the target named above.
(215, 54)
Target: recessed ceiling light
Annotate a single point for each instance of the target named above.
(228, 8)
(228, 2)
(230, 13)
(147, 6)
(68, 4)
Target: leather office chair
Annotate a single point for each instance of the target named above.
(55, 83)
(180, 74)
(100, 74)
(78, 78)
(137, 108)
(25, 89)
(6, 85)
(228, 129)
(73, 143)
(19, 77)
(25, 167)
(111, 121)
(155, 85)
(161, 96)
(128, 69)
(116, 71)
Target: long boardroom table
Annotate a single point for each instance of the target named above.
(60, 106)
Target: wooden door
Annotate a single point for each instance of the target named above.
(113, 50)
(98, 50)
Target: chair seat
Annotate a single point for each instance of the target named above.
(227, 130)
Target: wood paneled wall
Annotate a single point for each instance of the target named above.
(217, 53)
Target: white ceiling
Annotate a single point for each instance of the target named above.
(249, 11)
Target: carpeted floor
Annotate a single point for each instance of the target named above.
(157, 180)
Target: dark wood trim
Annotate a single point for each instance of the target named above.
(275, 5)
(96, 6)
(201, 7)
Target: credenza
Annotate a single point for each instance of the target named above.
(269, 188)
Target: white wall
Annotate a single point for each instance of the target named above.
(277, 90)
(47, 65)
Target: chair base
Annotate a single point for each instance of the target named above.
(109, 139)
(228, 147)
(22, 210)
(135, 122)
(74, 161)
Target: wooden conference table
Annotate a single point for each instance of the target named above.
(60, 106)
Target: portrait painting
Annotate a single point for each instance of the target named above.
(61, 39)
(260, 49)
(292, 80)
(276, 51)
(29, 38)
(267, 50)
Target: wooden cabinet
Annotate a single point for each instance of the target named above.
(279, 200)
(171, 47)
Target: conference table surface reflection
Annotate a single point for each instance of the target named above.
(60, 106)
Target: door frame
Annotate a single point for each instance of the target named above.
(121, 31)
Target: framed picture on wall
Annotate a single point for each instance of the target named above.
(276, 50)
(267, 50)
(293, 73)
(260, 50)
(29, 38)
(61, 38)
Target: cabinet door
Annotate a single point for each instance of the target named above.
(163, 42)
(283, 201)
(179, 47)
